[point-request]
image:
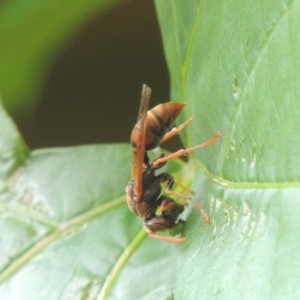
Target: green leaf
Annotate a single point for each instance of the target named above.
(31, 34)
(66, 231)
(236, 65)
(64, 221)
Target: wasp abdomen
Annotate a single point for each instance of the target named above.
(160, 119)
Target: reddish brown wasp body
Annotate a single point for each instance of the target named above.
(159, 121)
(144, 191)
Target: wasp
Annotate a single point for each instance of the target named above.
(144, 190)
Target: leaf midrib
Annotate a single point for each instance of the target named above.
(219, 179)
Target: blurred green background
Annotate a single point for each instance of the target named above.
(89, 87)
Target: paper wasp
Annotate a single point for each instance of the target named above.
(144, 191)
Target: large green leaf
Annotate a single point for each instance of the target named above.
(66, 231)
(65, 225)
(236, 64)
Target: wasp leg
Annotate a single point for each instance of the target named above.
(167, 238)
(183, 152)
(195, 203)
(170, 181)
(184, 187)
(165, 207)
(167, 221)
(176, 130)
(201, 209)
(166, 177)
(159, 166)
(174, 230)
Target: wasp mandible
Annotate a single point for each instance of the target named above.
(144, 191)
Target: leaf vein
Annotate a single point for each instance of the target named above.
(54, 235)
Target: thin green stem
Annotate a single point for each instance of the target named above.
(119, 265)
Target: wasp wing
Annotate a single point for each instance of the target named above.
(139, 153)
